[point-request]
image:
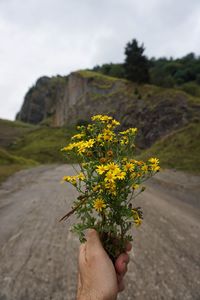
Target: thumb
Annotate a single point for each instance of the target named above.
(93, 244)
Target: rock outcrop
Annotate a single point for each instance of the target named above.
(69, 100)
(41, 100)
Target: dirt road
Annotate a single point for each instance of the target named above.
(38, 255)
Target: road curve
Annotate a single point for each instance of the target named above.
(38, 255)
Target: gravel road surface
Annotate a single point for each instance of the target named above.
(38, 255)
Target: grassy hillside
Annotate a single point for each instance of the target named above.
(43, 144)
(10, 163)
(23, 145)
(179, 150)
(156, 111)
(35, 145)
(10, 131)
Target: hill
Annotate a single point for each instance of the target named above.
(167, 120)
(156, 111)
(23, 145)
(178, 150)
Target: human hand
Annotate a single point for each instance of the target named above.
(98, 278)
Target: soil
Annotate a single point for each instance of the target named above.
(38, 255)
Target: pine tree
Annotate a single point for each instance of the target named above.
(136, 64)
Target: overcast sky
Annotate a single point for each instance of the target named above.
(50, 37)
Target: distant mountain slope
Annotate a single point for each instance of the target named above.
(41, 144)
(11, 131)
(68, 100)
(24, 145)
(179, 150)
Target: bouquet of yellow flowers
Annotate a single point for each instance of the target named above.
(108, 182)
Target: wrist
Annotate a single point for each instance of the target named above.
(93, 295)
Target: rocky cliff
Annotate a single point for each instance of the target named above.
(69, 100)
(41, 100)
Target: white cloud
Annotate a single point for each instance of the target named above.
(52, 37)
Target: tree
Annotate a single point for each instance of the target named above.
(136, 64)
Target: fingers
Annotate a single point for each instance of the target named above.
(128, 246)
(121, 285)
(121, 263)
(121, 267)
(123, 260)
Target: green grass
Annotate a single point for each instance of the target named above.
(43, 145)
(6, 158)
(15, 124)
(9, 164)
(179, 150)
(23, 145)
(99, 80)
(98, 76)
(10, 131)
(7, 170)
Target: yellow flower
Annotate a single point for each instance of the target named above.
(91, 127)
(90, 143)
(129, 131)
(69, 147)
(99, 204)
(70, 179)
(101, 118)
(110, 176)
(136, 217)
(115, 123)
(144, 168)
(84, 165)
(124, 160)
(124, 140)
(129, 167)
(107, 137)
(81, 176)
(96, 187)
(81, 148)
(155, 168)
(78, 136)
(133, 161)
(138, 222)
(111, 187)
(133, 130)
(108, 131)
(101, 169)
(112, 167)
(135, 186)
(99, 138)
(133, 175)
(154, 161)
(120, 175)
(84, 145)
